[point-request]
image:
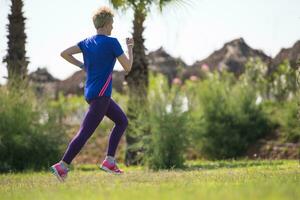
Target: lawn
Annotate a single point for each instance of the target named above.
(267, 180)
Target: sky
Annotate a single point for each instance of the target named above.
(191, 29)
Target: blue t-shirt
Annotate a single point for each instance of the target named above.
(99, 55)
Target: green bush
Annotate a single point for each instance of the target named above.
(168, 126)
(30, 132)
(283, 82)
(229, 120)
(285, 116)
(137, 133)
(256, 75)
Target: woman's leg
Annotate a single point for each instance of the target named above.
(115, 113)
(98, 108)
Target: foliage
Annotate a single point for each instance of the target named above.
(168, 125)
(16, 59)
(277, 84)
(285, 116)
(256, 75)
(283, 82)
(31, 134)
(228, 118)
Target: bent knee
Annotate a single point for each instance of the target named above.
(123, 122)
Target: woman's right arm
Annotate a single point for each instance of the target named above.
(68, 55)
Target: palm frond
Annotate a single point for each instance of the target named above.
(163, 3)
(118, 3)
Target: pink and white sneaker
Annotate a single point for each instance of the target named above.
(110, 167)
(60, 171)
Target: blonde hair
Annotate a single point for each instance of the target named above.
(102, 16)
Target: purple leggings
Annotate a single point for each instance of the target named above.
(98, 108)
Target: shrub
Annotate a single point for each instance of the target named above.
(230, 118)
(30, 133)
(285, 116)
(167, 121)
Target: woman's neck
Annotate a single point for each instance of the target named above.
(102, 31)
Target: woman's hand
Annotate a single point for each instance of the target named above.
(129, 42)
(125, 61)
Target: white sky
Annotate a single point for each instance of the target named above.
(190, 30)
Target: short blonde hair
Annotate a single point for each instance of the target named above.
(102, 16)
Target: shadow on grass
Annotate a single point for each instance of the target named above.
(204, 165)
(210, 165)
(86, 167)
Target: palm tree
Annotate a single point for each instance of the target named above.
(16, 54)
(137, 79)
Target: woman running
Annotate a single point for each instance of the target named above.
(99, 54)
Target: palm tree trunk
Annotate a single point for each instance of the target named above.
(137, 81)
(16, 54)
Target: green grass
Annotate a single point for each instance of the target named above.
(267, 180)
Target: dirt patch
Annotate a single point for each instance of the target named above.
(274, 150)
